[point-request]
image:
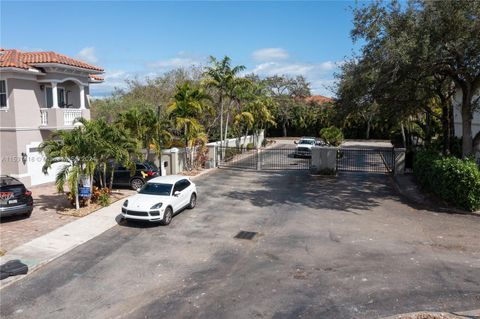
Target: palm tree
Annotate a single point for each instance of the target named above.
(73, 150)
(224, 78)
(187, 104)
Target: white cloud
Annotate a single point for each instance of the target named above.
(88, 55)
(181, 60)
(270, 54)
(273, 68)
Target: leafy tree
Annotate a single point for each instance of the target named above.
(287, 93)
(412, 48)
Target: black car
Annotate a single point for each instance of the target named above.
(15, 199)
(122, 175)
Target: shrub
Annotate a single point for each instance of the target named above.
(455, 180)
(332, 135)
(104, 199)
(250, 146)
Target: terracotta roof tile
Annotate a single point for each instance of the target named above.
(96, 77)
(319, 99)
(26, 60)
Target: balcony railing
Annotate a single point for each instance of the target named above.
(69, 116)
(43, 118)
(58, 118)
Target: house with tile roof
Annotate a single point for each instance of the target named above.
(39, 92)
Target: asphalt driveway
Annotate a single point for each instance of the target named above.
(343, 247)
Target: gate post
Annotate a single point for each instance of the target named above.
(399, 161)
(324, 160)
(212, 155)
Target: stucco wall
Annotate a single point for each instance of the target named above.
(457, 115)
(26, 102)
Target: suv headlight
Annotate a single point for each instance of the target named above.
(156, 206)
(125, 203)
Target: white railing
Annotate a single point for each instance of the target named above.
(43, 118)
(69, 116)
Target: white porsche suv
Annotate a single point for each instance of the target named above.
(160, 199)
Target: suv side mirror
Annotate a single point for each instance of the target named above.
(176, 193)
(295, 142)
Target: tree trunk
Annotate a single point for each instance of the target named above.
(111, 178)
(467, 139)
(368, 129)
(428, 135)
(226, 129)
(445, 128)
(284, 127)
(404, 139)
(221, 126)
(451, 123)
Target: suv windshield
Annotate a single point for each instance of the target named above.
(156, 189)
(310, 142)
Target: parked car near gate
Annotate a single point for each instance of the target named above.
(123, 177)
(160, 199)
(15, 198)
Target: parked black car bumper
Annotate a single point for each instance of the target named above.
(16, 210)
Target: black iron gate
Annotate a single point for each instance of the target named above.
(375, 159)
(281, 158)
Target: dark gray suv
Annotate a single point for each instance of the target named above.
(15, 199)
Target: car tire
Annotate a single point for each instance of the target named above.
(28, 214)
(167, 216)
(136, 183)
(193, 201)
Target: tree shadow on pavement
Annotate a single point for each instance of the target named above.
(345, 192)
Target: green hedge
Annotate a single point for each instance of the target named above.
(456, 181)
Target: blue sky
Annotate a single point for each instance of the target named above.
(138, 39)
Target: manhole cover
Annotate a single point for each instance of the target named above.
(245, 235)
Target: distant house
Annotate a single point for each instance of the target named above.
(319, 99)
(39, 92)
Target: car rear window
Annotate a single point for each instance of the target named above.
(9, 181)
(156, 189)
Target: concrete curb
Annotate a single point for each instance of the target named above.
(437, 315)
(423, 204)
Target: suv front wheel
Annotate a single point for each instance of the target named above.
(136, 183)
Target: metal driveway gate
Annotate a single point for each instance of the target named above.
(281, 158)
(375, 159)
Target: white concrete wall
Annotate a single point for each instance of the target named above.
(457, 116)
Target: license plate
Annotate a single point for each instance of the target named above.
(12, 201)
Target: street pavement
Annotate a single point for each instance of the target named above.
(326, 247)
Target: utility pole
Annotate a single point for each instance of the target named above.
(160, 164)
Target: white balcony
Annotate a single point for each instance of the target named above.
(58, 118)
(69, 116)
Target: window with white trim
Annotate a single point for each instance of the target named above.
(3, 94)
(60, 96)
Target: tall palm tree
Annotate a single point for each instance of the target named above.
(225, 79)
(188, 103)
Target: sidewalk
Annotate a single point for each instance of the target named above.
(438, 315)
(406, 186)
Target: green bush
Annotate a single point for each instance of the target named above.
(455, 180)
(332, 135)
(250, 146)
(104, 199)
